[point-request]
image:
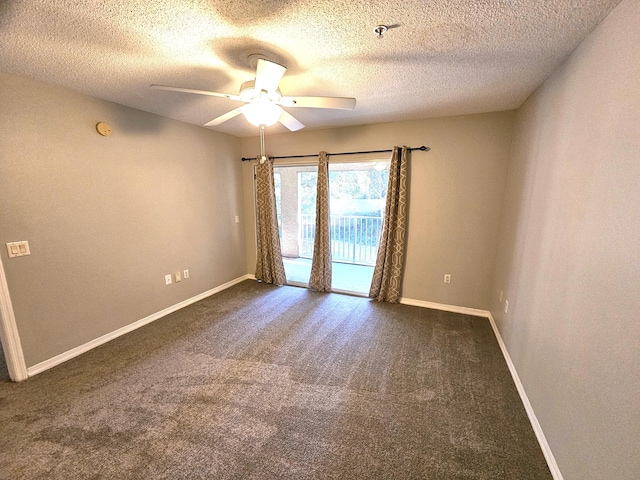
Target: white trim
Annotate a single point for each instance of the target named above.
(74, 352)
(542, 441)
(7, 317)
(544, 445)
(9, 333)
(333, 290)
(353, 293)
(442, 306)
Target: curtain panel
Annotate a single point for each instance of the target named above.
(387, 275)
(269, 265)
(320, 278)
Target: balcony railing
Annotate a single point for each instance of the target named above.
(354, 239)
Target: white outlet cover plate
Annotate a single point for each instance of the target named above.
(18, 249)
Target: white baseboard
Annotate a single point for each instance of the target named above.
(74, 352)
(546, 450)
(442, 306)
(544, 445)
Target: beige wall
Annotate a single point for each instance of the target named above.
(570, 253)
(456, 196)
(107, 217)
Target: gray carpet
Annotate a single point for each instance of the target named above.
(4, 373)
(263, 382)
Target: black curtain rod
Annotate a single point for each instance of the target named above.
(423, 148)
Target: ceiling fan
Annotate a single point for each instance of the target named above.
(263, 100)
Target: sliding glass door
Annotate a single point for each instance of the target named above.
(358, 194)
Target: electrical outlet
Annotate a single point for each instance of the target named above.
(237, 219)
(185, 274)
(167, 279)
(447, 278)
(506, 306)
(500, 296)
(177, 277)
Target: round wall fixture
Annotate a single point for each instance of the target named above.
(103, 129)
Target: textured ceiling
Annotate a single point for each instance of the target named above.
(442, 57)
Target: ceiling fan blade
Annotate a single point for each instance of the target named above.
(341, 103)
(268, 75)
(223, 118)
(290, 122)
(199, 92)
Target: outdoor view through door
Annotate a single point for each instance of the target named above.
(357, 201)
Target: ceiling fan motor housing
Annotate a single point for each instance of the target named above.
(248, 93)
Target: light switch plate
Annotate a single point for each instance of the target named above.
(18, 249)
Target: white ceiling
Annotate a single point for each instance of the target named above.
(442, 57)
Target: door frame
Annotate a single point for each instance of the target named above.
(9, 336)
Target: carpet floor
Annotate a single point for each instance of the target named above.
(264, 382)
(4, 373)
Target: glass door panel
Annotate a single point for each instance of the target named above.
(357, 202)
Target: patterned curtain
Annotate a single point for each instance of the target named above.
(320, 278)
(269, 266)
(387, 275)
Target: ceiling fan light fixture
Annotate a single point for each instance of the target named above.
(380, 166)
(261, 113)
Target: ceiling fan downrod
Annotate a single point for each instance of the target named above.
(263, 156)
